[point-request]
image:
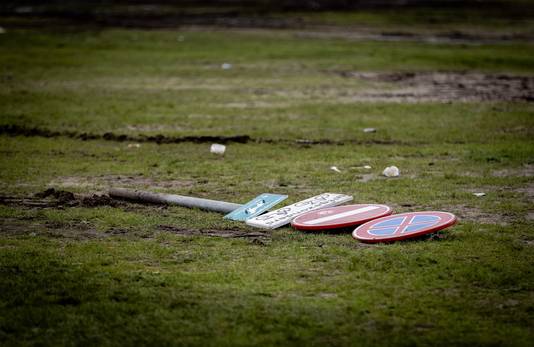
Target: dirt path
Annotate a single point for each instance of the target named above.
(444, 86)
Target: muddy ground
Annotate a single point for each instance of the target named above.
(52, 198)
(59, 199)
(398, 87)
(16, 130)
(445, 86)
(77, 15)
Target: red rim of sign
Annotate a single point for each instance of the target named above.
(346, 216)
(397, 229)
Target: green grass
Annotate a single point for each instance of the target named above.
(67, 278)
(482, 21)
(123, 80)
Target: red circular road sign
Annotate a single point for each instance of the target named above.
(402, 226)
(340, 216)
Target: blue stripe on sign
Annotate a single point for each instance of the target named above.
(389, 223)
(414, 228)
(382, 232)
(425, 218)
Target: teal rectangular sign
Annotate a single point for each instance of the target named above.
(255, 207)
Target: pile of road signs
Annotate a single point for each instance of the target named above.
(373, 222)
(286, 214)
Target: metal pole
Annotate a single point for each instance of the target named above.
(172, 199)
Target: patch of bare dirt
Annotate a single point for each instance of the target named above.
(79, 231)
(463, 212)
(52, 198)
(527, 191)
(84, 231)
(445, 37)
(473, 214)
(524, 171)
(227, 233)
(444, 86)
(60, 195)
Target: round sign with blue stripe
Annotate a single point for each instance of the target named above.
(403, 226)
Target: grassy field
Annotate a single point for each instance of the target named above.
(84, 270)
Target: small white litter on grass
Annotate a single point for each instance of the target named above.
(369, 130)
(391, 171)
(226, 66)
(134, 145)
(479, 194)
(367, 167)
(334, 168)
(217, 149)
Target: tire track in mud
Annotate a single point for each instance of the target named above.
(18, 130)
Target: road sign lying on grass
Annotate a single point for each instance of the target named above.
(255, 207)
(340, 216)
(403, 226)
(285, 215)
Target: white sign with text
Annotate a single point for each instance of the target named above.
(285, 215)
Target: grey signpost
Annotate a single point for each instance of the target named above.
(172, 199)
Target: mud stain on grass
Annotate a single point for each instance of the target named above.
(17, 130)
(464, 213)
(444, 86)
(524, 171)
(528, 192)
(444, 37)
(52, 198)
(86, 231)
(226, 233)
(473, 214)
(76, 231)
(58, 199)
